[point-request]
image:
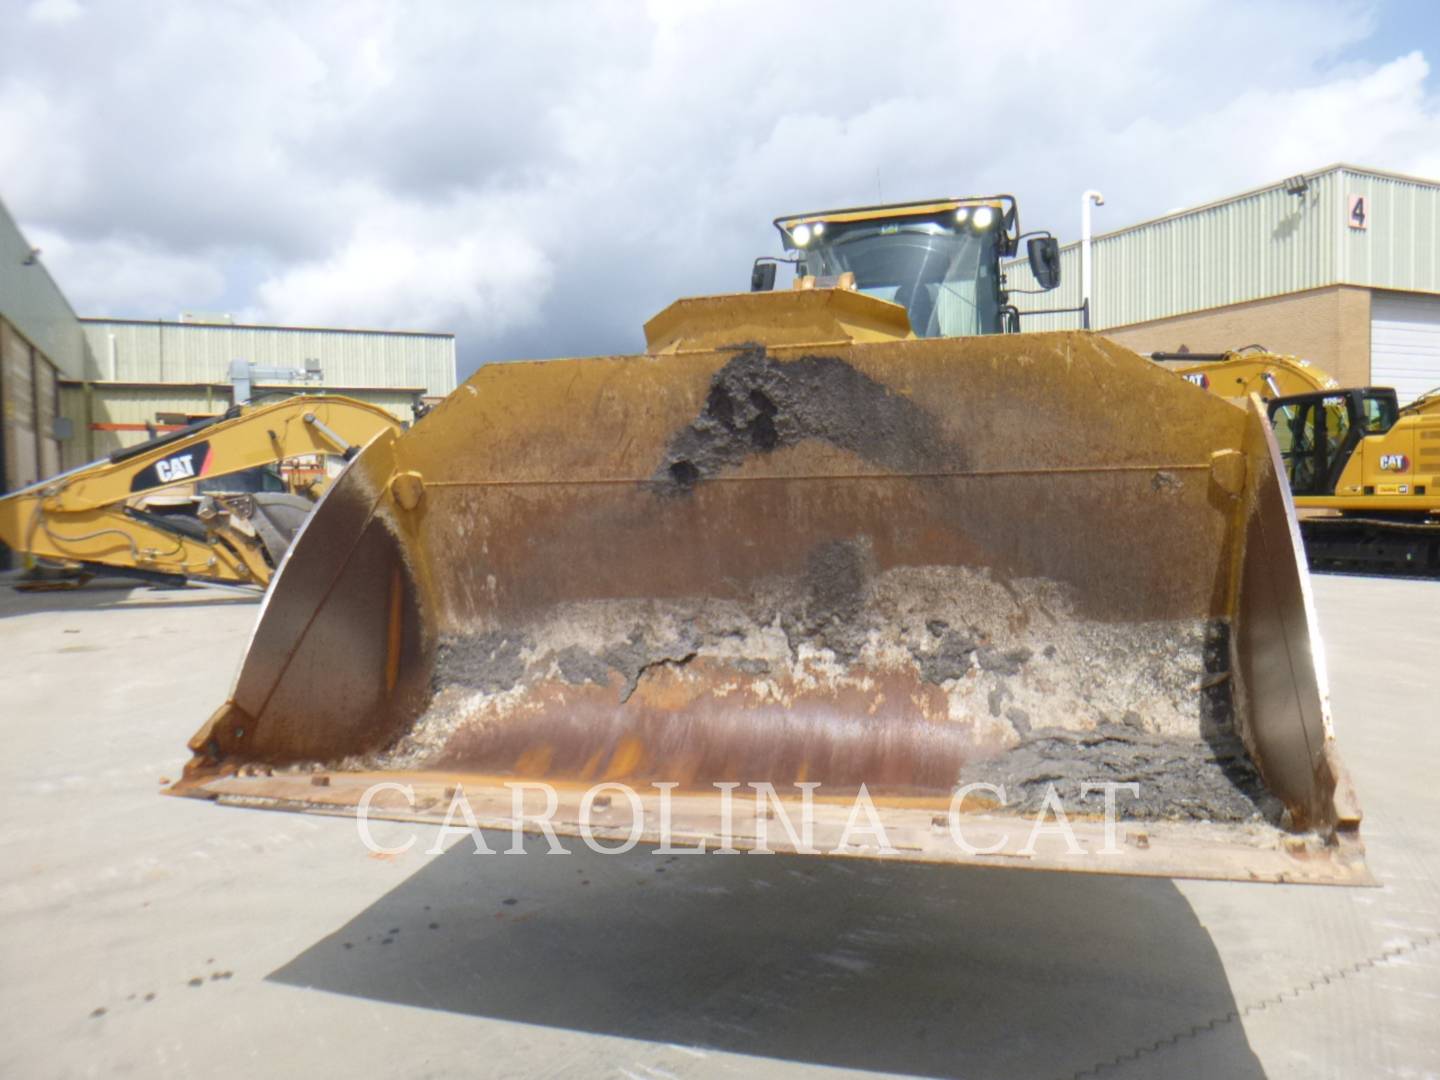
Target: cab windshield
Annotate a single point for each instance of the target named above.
(944, 277)
(1381, 410)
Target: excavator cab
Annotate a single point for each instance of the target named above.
(1317, 433)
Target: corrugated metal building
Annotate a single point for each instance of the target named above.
(41, 343)
(158, 374)
(196, 351)
(73, 390)
(1342, 268)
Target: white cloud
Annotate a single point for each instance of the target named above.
(460, 264)
(541, 179)
(54, 11)
(1380, 118)
(128, 276)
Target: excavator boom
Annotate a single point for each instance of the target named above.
(1240, 373)
(89, 516)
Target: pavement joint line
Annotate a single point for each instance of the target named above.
(1325, 978)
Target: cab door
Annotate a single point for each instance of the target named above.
(1316, 435)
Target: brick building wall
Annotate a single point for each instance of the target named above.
(1329, 327)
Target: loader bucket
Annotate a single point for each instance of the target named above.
(795, 596)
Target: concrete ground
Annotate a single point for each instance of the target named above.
(152, 936)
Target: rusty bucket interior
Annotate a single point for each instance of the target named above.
(896, 566)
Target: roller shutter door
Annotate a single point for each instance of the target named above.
(17, 400)
(45, 386)
(1405, 343)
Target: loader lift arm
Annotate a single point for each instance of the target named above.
(87, 516)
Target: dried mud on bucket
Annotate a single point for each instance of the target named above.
(909, 680)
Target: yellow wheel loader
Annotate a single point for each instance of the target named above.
(809, 575)
(1364, 471)
(111, 516)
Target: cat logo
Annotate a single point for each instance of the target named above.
(1394, 462)
(177, 468)
(1199, 379)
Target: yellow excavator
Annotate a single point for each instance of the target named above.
(111, 517)
(811, 575)
(1363, 470)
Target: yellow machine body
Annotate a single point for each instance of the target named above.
(94, 518)
(1370, 500)
(1398, 469)
(1270, 375)
(793, 545)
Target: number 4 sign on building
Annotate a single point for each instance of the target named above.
(1359, 216)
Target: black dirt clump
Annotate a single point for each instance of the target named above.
(1179, 779)
(1217, 690)
(997, 698)
(578, 666)
(835, 581)
(1205, 778)
(950, 659)
(757, 404)
(1002, 661)
(486, 662)
(638, 653)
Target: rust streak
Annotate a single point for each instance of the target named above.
(393, 638)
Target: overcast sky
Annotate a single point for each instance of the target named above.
(540, 178)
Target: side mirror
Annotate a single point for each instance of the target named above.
(1043, 253)
(762, 276)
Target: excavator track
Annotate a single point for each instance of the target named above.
(1372, 545)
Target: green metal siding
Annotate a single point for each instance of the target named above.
(201, 352)
(1261, 244)
(1401, 248)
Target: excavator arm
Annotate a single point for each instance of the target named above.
(88, 516)
(1240, 373)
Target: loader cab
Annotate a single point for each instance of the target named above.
(940, 259)
(1317, 433)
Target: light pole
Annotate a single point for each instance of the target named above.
(1090, 198)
